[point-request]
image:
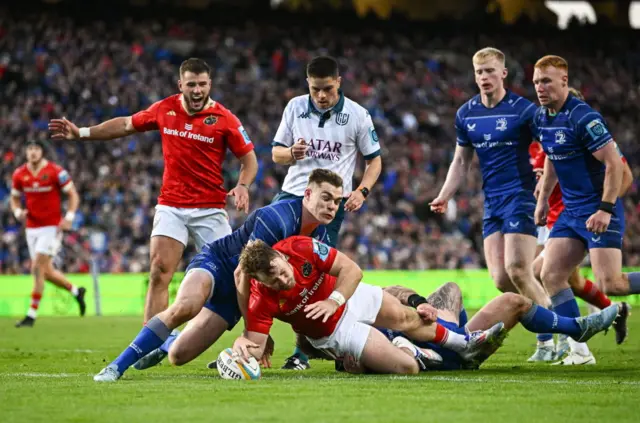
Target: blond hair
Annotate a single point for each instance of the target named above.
(488, 53)
(576, 93)
(552, 61)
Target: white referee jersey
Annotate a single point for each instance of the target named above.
(334, 138)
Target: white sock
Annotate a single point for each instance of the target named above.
(455, 341)
(33, 313)
(579, 348)
(74, 290)
(548, 343)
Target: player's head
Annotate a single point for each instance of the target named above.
(195, 83)
(489, 69)
(551, 79)
(35, 151)
(266, 265)
(576, 93)
(323, 195)
(324, 81)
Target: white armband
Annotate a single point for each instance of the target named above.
(18, 213)
(85, 132)
(338, 298)
(70, 216)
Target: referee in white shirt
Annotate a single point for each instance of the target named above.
(325, 129)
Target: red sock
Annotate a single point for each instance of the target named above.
(35, 300)
(592, 294)
(442, 334)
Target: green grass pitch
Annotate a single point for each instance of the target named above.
(46, 376)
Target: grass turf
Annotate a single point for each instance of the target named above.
(46, 375)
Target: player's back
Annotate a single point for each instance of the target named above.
(501, 136)
(569, 138)
(43, 193)
(194, 148)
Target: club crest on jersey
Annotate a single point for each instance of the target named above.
(306, 269)
(487, 137)
(596, 128)
(342, 118)
(45, 177)
(501, 124)
(561, 137)
(471, 127)
(321, 250)
(211, 120)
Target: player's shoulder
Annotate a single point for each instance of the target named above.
(518, 103)
(173, 101)
(54, 167)
(580, 113)
(20, 170)
(299, 102)
(352, 106)
(296, 245)
(470, 105)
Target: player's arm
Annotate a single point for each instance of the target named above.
(404, 295)
(548, 181)
(15, 200)
(369, 146)
(284, 150)
(251, 343)
(74, 203)
(614, 170)
(243, 286)
(627, 179)
(348, 275)
(113, 128)
(457, 173)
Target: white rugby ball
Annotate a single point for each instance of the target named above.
(230, 366)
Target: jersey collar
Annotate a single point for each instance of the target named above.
(337, 108)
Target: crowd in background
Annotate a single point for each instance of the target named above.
(412, 84)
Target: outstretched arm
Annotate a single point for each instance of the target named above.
(113, 128)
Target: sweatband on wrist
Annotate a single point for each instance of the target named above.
(85, 132)
(17, 213)
(415, 300)
(70, 216)
(606, 207)
(337, 297)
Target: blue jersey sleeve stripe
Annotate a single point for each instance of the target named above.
(284, 225)
(372, 155)
(589, 114)
(293, 212)
(275, 238)
(527, 109)
(601, 145)
(575, 108)
(516, 102)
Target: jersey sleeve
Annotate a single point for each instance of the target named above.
(284, 134)
(269, 226)
(318, 253)
(261, 311)
(146, 120)
(64, 180)
(461, 134)
(538, 159)
(237, 138)
(367, 138)
(16, 184)
(593, 131)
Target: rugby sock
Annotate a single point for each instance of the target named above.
(462, 318)
(301, 356)
(544, 337)
(634, 282)
(170, 340)
(35, 303)
(592, 294)
(564, 304)
(539, 319)
(150, 337)
(448, 339)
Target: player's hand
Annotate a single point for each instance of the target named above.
(439, 205)
(65, 225)
(241, 347)
(265, 361)
(63, 129)
(299, 150)
(428, 312)
(598, 222)
(324, 309)
(541, 213)
(241, 195)
(355, 201)
(20, 215)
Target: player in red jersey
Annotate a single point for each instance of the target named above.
(196, 132)
(41, 182)
(317, 290)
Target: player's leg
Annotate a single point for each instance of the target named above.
(195, 289)
(494, 255)
(519, 255)
(587, 290)
(381, 356)
(207, 225)
(448, 300)
(40, 248)
(58, 278)
(169, 237)
(199, 334)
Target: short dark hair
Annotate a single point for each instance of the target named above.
(195, 65)
(319, 176)
(322, 67)
(256, 257)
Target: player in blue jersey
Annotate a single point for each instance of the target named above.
(496, 125)
(581, 157)
(207, 293)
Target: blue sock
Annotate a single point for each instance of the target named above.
(150, 337)
(302, 356)
(564, 304)
(170, 340)
(544, 337)
(462, 318)
(539, 319)
(634, 282)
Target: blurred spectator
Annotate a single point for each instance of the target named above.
(90, 71)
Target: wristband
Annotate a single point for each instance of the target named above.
(415, 300)
(70, 216)
(17, 213)
(606, 207)
(85, 132)
(337, 297)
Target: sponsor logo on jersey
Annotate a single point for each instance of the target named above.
(188, 127)
(244, 134)
(471, 127)
(324, 149)
(171, 113)
(304, 115)
(307, 296)
(487, 137)
(188, 135)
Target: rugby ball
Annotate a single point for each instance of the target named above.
(230, 366)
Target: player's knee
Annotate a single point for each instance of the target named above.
(408, 367)
(517, 270)
(515, 302)
(160, 273)
(177, 357)
(454, 291)
(614, 284)
(182, 311)
(40, 264)
(503, 283)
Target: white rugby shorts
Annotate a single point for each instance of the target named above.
(44, 240)
(204, 225)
